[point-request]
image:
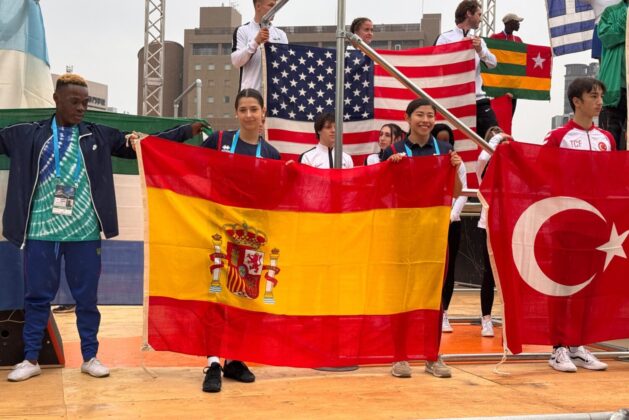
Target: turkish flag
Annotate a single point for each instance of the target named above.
(558, 229)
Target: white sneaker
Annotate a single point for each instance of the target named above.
(95, 368)
(583, 358)
(445, 323)
(560, 360)
(23, 371)
(487, 326)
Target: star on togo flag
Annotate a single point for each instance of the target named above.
(538, 61)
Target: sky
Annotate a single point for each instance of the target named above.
(101, 39)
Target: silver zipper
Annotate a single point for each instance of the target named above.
(28, 215)
(89, 183)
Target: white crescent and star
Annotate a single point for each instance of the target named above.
(523, 244)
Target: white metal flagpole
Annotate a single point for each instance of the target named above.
(340, 83)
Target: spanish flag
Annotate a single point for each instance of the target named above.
(524, 70)
(257, 260)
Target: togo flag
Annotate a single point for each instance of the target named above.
(524, 70)
(25, 71)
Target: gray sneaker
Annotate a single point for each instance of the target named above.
(23, 371)
(401, 369)
(438, 369)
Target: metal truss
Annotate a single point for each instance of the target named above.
(153, 80)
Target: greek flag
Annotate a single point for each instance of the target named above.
(570, 23)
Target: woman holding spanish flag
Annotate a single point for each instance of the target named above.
(246, 140)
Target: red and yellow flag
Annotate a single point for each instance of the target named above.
(253, 259)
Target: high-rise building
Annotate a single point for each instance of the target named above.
(207, 55)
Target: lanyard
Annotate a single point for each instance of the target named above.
(409, 153)
(235, 142)
(55, 140)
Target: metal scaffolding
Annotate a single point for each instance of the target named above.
(488, 20)
(153, 80)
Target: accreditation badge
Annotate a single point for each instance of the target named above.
(63, 201)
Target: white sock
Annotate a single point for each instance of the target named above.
(228, 361)
(573, 349)
(213, 359)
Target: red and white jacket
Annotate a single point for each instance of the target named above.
(573, 136)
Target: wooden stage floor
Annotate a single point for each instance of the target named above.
(170, 387)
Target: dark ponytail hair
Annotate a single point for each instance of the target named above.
(356, 24)
(249, 93)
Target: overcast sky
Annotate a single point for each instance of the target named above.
(101, 39)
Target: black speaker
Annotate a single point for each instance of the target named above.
(12, 344)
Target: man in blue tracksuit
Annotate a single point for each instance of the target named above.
(60, 197)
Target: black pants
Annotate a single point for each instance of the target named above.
(487, 288)
(614, 120)
(485, 117)
(454, 240)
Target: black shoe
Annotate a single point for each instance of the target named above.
(212, 381)
(64, 309)
(239, 371)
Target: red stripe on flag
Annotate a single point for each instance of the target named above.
(428, 51)
(229, 172)
(398, 115)
(310, 139)
(436, 93)
(430, 71)
(297, 341)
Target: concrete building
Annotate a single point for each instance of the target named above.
(98, 94)
(173, 76)
(207, 56)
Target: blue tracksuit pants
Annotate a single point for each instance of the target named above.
(42, 271)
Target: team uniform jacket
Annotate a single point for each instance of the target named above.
(322, 157)
(23, 144)
(573, 136)
(247, 55)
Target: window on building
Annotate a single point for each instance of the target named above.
(206, 49)
(211, 67)
(226, 99)
(197, 67)
(211, 83)
(210, 99)
(228, 83)
(227, 115)
(228, 66)
(210, 115)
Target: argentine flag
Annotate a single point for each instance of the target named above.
(25, 80)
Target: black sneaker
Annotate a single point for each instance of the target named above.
(64, 309)
(212, 381)
(239, 371)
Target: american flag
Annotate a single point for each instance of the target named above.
(570, 23)
(301, 83)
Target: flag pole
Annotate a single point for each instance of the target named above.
(265, 22)
(340, 83)
(360, 44)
